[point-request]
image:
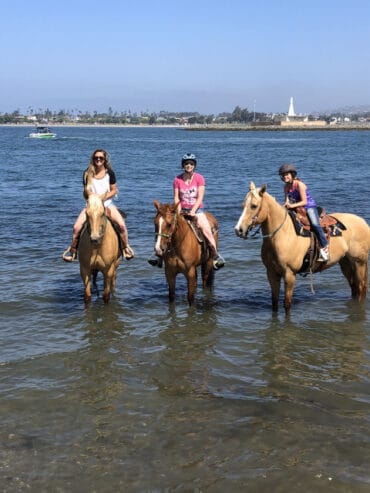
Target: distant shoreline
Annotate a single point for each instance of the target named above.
(210, 127)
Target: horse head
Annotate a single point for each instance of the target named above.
(251, 215)
(165, 223)
(96, 218)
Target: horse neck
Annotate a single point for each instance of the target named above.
(180, 232)
(274, 214)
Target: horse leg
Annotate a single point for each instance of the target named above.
(191, 277)
(289, 282)
(356, 273)
(171, 281)
(86, 279)
(274, 279)
(208, 273)
(109, 278)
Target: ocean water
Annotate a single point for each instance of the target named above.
(142, 396)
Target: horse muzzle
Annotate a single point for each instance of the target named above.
(95, 240)
(241, 232)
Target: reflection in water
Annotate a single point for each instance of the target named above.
(182, 367)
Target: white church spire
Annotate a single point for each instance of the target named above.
(291, 108)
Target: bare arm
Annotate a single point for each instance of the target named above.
(302, 192)
(201, 192)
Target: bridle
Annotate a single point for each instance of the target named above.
(269, 235)
(168, 236)
(105, 223)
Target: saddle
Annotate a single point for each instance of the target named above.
(330, 224)
(331, 227)
(198, 233)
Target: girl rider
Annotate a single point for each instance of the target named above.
(297, 195)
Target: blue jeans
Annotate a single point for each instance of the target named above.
(315, 226)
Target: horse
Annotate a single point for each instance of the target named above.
(283, 252)
(181, 250)
(99, 249)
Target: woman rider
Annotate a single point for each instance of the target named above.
(297, 195)
(99, 178)
(188, 192)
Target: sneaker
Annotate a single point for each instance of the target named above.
(155, 261)
(324, 254)
(218, 262)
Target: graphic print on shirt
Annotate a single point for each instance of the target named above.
(188, 196)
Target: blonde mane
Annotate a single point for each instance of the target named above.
(95, 203)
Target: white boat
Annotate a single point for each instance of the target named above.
(42, 132)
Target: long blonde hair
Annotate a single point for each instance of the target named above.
(90, 171)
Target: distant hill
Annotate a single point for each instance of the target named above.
(365, 108)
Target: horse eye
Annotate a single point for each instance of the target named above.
(253, 206)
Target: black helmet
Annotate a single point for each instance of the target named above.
(188, 157)
(287, 168)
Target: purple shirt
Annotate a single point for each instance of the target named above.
(294, 196)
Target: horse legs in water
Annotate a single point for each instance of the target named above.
(275, 281)
(109, 282)
(87, 283)
(171, 281)
(191, 278)
(356, 273)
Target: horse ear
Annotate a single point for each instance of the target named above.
(252, 186)
(263, 189)
(156, 203)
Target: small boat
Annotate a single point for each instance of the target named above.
(42, 132)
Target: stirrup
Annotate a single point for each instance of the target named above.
(69, 255)
(155, 261)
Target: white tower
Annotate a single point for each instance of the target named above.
(291, 108)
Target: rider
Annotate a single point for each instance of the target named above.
(99, 178)
(297, 195)
(188, 192)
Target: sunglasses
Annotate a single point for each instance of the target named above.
(99, 158)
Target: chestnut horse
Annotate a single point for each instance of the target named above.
(283, 251)
(181, 250)
(99, 248)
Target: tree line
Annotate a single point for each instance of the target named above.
(238, 115)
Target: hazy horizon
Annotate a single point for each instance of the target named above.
(200, 56)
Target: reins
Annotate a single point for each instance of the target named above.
(270, 235)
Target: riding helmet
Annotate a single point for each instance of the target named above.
(188, 157)
(287, 168)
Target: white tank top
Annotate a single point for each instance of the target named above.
(102, 186)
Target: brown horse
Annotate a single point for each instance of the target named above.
(182, 252)
(283, 251)
(99, 249)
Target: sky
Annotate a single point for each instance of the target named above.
(205, 55)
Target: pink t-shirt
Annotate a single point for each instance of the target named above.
(188, 193)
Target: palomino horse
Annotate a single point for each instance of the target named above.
(99, 249)
(283, 251)
(181, 250)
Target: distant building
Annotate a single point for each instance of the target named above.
(294, 120)
(292, 117)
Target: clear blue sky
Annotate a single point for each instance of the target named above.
(194, 55)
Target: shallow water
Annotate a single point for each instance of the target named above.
(142, 396)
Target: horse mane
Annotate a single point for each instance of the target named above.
(95, 203)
